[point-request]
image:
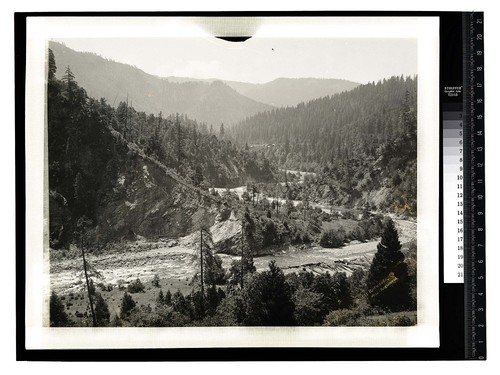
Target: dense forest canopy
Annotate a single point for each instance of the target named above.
(91, 166)
(359, 142)
(136, 189)
(335, 127)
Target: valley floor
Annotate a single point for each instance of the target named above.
(175, 263)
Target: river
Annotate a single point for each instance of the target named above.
(176, 263)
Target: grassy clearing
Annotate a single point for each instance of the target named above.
(347, 224)
(78, 302)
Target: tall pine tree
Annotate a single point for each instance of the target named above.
(387, 280)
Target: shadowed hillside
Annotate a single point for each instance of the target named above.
(210, 102)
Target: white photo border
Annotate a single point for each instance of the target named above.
(425, 334)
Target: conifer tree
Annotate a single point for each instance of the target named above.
(388, 274)
(101, 311)
(388, 255)
(127, 306)
(58, 317)
(160, 300)
(168, 298)
(179, 142)
(52, 65)
(269, 299)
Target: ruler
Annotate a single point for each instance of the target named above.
(474, 189)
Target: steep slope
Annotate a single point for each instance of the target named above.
(105, 176)
(211, 102)
(361, 143)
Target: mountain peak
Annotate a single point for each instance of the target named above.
(210, 101)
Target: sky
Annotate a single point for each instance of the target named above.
(260, 60)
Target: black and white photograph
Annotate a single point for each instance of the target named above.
(272, 179)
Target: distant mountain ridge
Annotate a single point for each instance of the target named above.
(362, 144)
(282, 92)
(210, 102)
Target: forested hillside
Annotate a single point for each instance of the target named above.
(210, 102)
(284, 92)
(362, 144)
(107, 166)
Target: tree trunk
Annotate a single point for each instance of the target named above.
(94, 321)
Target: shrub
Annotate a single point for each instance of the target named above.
(182, 304)
(101, 311)
(136, 286)
(335, 291)
(168, 298)
(269, 234)
(127, 306)
(160, 300)
(332, 238)
(156, 281)
(342, 317)
(307, 307)
(58, 317)
(357, 283)
(269, 299)
(116, 322)
(91, 287)
(245, 196)
(405, 320)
